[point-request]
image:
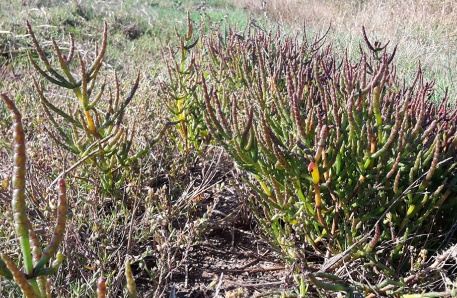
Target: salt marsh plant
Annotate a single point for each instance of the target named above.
(345, 158)
(181, 90)
(95, 130)
(32, 279)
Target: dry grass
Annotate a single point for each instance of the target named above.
(425, 31)
(399, 19)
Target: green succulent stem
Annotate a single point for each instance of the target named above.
(59, 229)
(90, 126)
(18, 184)
(21, 221)
(29, 281)
(131, 286)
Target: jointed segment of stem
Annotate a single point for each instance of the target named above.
(21, 222)
(59, 229)
(131, 286)
(20, 278)
(101, 287)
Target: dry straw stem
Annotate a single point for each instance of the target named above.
(438, 263)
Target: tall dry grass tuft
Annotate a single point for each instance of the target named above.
(424, 30)
(385, 17)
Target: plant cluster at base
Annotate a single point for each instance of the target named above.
(342, 154)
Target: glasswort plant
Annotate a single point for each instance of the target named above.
(32, 281)
(95, 130)
(346, 160)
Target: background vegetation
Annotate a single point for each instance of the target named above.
(423, 30)
(183, 194)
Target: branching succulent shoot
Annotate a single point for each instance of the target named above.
(95, 131)
(31, 280)
(182, 90)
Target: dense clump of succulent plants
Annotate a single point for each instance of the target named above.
(350, 164)
(347, 160)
